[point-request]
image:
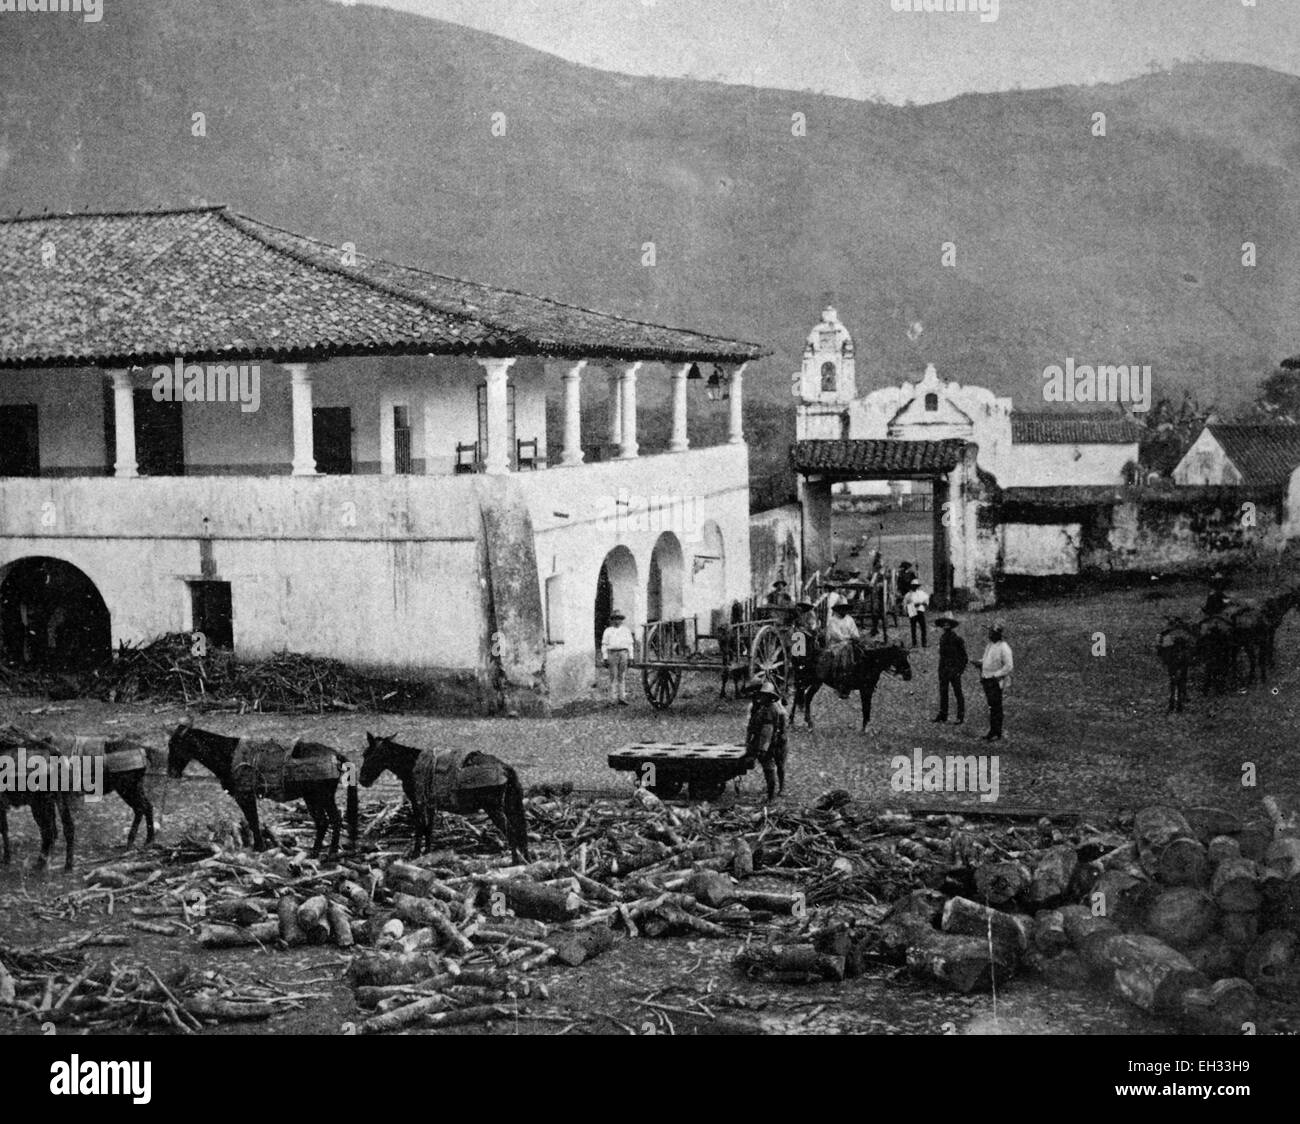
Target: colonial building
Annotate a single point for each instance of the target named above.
(209, 424)
(1017, 448)
(1254, 455)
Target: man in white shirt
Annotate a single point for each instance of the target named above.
(995, 676)
(616, 644)
(915, 602)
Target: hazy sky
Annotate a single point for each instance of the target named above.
(863, 48)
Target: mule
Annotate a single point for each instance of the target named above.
(48, 809)
(480, 782)
(216, 753)
(869, 664)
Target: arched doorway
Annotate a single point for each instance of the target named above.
(616, 588)
(51, 615)
(709, 577)
(664, 586)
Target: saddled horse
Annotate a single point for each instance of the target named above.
(217, 753)
(1176, 649)
(454, 781)
(48, 808)
(868, 665)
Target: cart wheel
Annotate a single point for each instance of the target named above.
(707, 790)
(660, 684)
(769, 657)
(667, 789)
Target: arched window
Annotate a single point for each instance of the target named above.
(828, 377)
(931, 403)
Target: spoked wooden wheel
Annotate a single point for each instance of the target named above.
(769, 657)
(660, 684)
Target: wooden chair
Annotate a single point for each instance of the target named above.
(467, 459)
(526, 454)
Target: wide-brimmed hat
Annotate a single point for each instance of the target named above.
(996, 626)
(946, 618)
(915, 582)
(804, 605)
(841, 607)
(779, 582)
(617, 615)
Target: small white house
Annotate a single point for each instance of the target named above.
(1256, 455)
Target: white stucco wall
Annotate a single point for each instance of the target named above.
(1039, 549)
(1205, 462)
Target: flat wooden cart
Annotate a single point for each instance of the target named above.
(665, 767)
(757, 641)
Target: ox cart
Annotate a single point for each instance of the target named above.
(665, 767)
(759, 639)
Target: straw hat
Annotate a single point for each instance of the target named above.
(616, 615)
(947, 618)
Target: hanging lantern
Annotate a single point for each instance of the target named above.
(719, 385)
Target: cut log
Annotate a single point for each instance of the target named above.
(1121, 857)
(1254, 840)
(577, 946)
(1235, 886)
(787, 904)
(1010, 933)
(1221, 848)
(340, 925)
(291, 933)
(1122, 896)
(789, 963)
(228, 1010)
(710, 887)
(1150, 974)
(1001, 882)
(1049, 936)
(240, 911)
(960, 962)
(406, 1015)
(1157, 825)
(1180, 862)
(418, 911)
(742, 863)
(1066, 970)
(311, 919)
(1222, 1008)
(1240, 930)
(1283, 857)
(232, 936)
(408, 878)
(1182, 917)
(1271, 956)
(1052, 874)
(378, 969)
(1215, 957)
(528, 899)
(1206, 823)
(1282, 903)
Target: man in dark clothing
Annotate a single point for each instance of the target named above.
(952, 662)
(1218, 600)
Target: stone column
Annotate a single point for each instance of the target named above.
(736, 433)
(628, 447)
(125, 464)
(572, 379)
(615, 436)
(496, 457)
(679, 442)
(304, 452)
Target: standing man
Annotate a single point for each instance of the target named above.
(952, 662)
(995, 677)
(616, 645)
(778, 595)
(915, 603)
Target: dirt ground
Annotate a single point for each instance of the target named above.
(1086, 734)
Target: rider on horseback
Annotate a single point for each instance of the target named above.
(1218, 600)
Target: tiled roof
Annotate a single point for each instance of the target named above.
(144, 287)
(879, 458)
(1094, 428)
(1265, 454)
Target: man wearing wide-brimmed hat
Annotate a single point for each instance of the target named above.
(616, 644)
(765, 734)
(952, 662)
(778, 594)
(995, 675)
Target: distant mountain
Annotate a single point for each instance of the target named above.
(360, 124)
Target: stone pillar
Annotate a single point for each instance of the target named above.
(496, 458)
(572, 379)
(304, 452)
(735, 430)
(628, 447)
(124, 425)
(679, 442)
(615, 436)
